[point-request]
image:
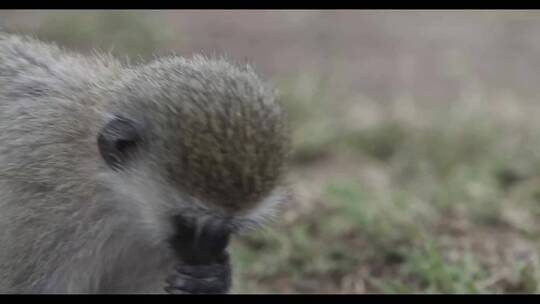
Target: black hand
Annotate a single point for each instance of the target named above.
(205, 266)
(201, 279)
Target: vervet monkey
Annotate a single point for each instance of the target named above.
(130, 179)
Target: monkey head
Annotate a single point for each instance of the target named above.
(195, 141)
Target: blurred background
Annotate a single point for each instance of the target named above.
(416, 164)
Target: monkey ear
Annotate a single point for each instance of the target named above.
(117, 142)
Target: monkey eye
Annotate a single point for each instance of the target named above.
(117, 141)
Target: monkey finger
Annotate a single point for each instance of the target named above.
(180, 279)
(171, 290)
(177, 291)
(198, 286)
(204, 271)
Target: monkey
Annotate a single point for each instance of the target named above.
(131, 178)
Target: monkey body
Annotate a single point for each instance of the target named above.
(81, 211)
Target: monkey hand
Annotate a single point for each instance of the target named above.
(204, 262)
(212, 278)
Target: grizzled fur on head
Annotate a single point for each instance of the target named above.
(219, 135)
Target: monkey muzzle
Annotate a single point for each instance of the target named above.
(200, 242)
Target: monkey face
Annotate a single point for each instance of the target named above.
(192, 135)
(127, 145)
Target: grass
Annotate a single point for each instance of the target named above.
(444, 202)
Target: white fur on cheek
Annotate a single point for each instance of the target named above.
(143, 198)
(265, 211)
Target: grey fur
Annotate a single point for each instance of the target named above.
(217, 141)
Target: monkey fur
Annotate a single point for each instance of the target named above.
(120, 178)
